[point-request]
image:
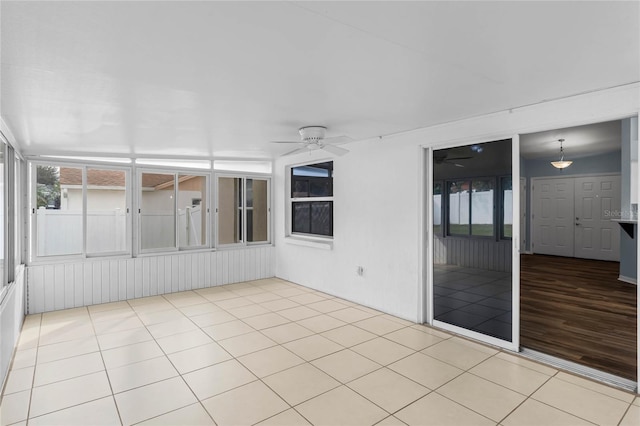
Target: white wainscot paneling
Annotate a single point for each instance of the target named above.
(88, 282)
(473, 253)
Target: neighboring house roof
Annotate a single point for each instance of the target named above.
(98, 177)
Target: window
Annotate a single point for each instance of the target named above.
(506, 202)
(471, 207)
(79, 210)
(173, 211)
(9, 243)
(437, 208)
(243, 200)
(312, 199)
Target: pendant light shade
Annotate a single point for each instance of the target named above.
(562, 163)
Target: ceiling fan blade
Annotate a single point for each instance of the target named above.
(458, 165)
(295, 151)
(285, 142)
(334, 149)
(336, 140)
(459, 158)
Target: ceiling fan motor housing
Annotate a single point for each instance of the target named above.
(312, 133)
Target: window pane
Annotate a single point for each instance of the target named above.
(192, 214)
(106, 210)
(315, 180)
(322, 218)
(59, 213)
(229, 210)
(157, 209)
(301, 218)
(437, 208)
(459, 207)
(482, 207)
(507, 206)
(257, 210)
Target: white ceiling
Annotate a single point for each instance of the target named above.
(224, 78)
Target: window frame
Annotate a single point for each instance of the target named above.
(289, 233)
(176, 172)
(32, 253)
(243, 241)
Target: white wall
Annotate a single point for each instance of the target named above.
(11, 318)
(377, 200)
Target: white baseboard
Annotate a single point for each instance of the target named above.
(628, 279)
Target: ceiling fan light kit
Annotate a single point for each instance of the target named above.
(562, 163)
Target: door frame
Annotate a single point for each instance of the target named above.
(425, 295)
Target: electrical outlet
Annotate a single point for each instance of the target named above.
(360, 271)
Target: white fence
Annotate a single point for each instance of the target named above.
(482, 208)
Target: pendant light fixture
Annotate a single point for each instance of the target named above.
(562, 163)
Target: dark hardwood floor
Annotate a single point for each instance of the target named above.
(576, 309)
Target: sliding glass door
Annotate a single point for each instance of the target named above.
(475, 250)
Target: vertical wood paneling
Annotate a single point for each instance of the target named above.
(88, 282)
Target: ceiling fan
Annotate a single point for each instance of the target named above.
(442, 157)
(312, 138)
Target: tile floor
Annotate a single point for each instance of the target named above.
(270, 352)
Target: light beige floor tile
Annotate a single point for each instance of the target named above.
(307, 298)
(345, 365)
(400, 321)
(228, 329)
(632, 417)
(182, 341)
(248, 311)
(68, 368)
(582, 402)
(149, 300)
(200, 309)
(235, 302)
(66, 314)
(388, 389)
(172, 327)
(99, 412)
(413, 338)
(300, 383)
(111, 326)
(425, 370)
(287, 418)
(157, 306)
(64, 333)
(351, 314)
(153, 400)
(198, 357)
(246, 343)
(183, 301)
(124, 338)
(321, 323)
(67, 393)
(14, 407)
(313, 347)
(326, 306)
(232, 408)
(192, 415)
(263, 297)
(347, 408)
(459, 352)
(510, 375)
(532, 365)
(212, 318)
(19, 380)
(429, 330)
(149, 318)
(114, 314)
(270, 319)
(53, 352)
(383, 351)
(29, 338)
(534, 413)
(391, 421)
(286, 332)
(279, 304)
(291, 291)
(219, 296)
(141, 373)
(24, 358)
(596, 387)
(636, 401)
(248, 291)
(298, 313)
(482, 396)
(218, 378)
(348, 335)
(436, 410)
(379, 325)
(269, 361)
(103, 307)
(123, 355)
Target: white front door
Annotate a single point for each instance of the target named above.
(553, 220)
(597, 199)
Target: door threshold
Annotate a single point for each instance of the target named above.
(581, 370)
